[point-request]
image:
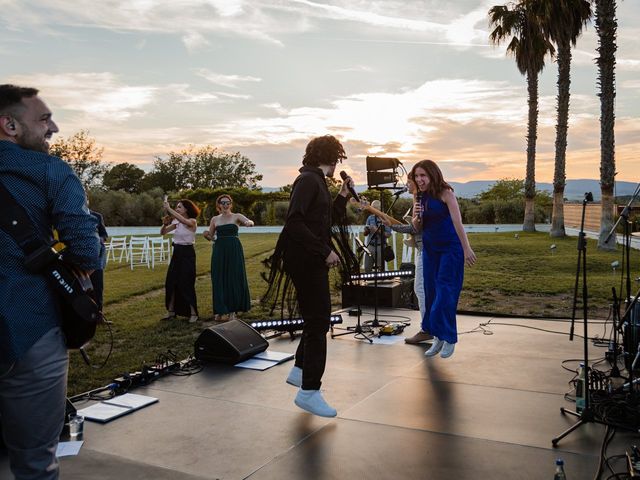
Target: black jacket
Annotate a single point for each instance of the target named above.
(307, 230)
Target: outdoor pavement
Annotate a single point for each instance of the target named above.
(489, 412)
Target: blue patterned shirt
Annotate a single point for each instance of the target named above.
(51, 193)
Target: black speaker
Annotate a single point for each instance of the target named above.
(231, 342)
(395, 293)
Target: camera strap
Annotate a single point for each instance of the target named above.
(17, 224)
(80, 314)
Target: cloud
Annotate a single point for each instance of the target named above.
(194, 21)
(194, 40)
(628, 64)
(230, 81)
(99, 95)
(380, 118)
(356, 68)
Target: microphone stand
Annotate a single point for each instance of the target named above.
(587, 414)
(378, 266)
(359, 331)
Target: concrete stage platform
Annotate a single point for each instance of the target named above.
(489, 412)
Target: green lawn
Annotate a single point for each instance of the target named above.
(515, 276)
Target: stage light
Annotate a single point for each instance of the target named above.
(287, 325)
(382, 275)
(376, 177)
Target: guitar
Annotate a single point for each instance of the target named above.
(368, 208)
(78, 308)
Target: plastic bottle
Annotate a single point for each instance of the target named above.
(581, 388)
(559, 475)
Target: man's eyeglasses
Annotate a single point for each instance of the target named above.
(224, 202)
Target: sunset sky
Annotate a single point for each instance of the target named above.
(404, 78)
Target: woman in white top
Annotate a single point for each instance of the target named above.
(228, 273)
(180, 289)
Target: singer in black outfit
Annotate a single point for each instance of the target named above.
(307, 254)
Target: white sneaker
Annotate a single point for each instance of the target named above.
(436, 346)
(447, 349)
(312, 402)
(295, 377)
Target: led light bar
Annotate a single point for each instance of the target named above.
(287, 325)
(382, 275)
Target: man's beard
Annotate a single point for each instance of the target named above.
(29, 141)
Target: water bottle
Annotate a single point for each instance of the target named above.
(580, 388)
(559, 475)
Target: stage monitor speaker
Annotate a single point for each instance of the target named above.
(231, 342)
(381, 163)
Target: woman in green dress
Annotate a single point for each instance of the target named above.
(228, 274)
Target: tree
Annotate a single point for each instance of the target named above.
(84, 156)
(504, 189)
(606, 27)
(529, 47)
(204, 167)
(123, 176)
(562, 21)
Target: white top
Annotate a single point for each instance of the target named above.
(183, 235)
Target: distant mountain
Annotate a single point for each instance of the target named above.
(574, 190)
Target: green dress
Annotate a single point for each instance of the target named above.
(228, 274)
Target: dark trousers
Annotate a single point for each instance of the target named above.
(311, 279)
(32, 401)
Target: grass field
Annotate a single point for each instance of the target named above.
(515, 276)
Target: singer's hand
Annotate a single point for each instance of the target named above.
(346, 183)
(332, 259)
(417, 210)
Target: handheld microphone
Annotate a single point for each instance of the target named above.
(401, 191)
(419, 198)
(352, 191)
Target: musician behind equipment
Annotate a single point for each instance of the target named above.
(375, 241)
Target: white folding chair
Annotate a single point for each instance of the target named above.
(117, 245)
(159, 250)
(139, 252)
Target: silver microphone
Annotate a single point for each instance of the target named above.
(401, 191)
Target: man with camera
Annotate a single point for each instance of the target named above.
(376, 234)
(33, 354)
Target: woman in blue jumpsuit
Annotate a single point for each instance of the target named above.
(445, 252)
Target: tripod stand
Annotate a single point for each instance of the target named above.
(586, 415)
(379, 241)
(625, 274)
(359, 331)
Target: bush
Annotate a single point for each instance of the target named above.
(120, 208)
(483, 212)
(509, 211)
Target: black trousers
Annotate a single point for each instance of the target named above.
(311, 279)
(181, 280)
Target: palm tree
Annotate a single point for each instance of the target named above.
(529, 47)
(606, 26)
(562, 21)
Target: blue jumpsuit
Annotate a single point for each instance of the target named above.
(443, 269)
